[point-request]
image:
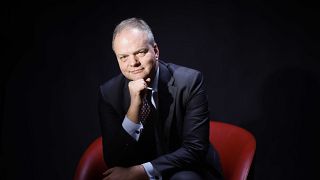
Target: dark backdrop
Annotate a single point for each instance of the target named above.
(259, 58)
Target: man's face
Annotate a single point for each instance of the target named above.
(136, 56)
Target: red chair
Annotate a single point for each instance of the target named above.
(235, 145)
(91, 165)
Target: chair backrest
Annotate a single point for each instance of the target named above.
(91, 164)
(235, 145)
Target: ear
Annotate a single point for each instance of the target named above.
(156, 50)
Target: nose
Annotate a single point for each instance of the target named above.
(133, 61)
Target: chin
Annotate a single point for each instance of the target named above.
(135, 77)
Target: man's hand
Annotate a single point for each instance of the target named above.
(131, 173)
(136, 89)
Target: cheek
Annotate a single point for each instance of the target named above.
(150, 61)
(148, 65)
(122, 68)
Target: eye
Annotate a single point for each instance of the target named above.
(142, 52)
(123, 58)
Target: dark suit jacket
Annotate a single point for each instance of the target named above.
(182, 123)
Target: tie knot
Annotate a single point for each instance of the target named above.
(147, 94)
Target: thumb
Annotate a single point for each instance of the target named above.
(148, 80)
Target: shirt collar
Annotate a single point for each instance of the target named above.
(155, 81)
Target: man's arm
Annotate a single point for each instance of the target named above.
(195, 132)
(118, 145)
(111, 153)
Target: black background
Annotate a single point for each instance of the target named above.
(260, 60)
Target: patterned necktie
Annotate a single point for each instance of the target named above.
(145, 111)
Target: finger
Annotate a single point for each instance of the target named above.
(142, 82)
(107, 172)
(148, 80)
(137, 85)
(107, 178)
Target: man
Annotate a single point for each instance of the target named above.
(154, 116)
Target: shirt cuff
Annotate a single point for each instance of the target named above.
(133, 129)
(152, 173)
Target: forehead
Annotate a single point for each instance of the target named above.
(130, 40)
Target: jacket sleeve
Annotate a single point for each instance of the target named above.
(118, 145)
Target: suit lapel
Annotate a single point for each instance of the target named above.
(166, 97)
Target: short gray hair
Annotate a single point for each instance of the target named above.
(132, 23)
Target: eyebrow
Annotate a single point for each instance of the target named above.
(135, 52)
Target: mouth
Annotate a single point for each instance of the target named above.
(137, 71)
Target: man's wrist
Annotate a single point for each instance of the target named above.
(140, 172)
(151, 171)
(133, 113)
(133, 129)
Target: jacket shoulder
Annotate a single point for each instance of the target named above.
(184, 75)
(112, 86)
